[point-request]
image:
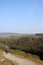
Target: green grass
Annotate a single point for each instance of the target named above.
(34, 58)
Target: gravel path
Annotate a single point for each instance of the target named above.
(20, 61)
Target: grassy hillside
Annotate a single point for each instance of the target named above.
(29, 44)
(24, 46)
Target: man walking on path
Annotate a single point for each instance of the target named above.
(6, 49)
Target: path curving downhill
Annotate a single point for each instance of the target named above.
(20, 61)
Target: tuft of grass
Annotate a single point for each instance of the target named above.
(8, 62)
(18, 53)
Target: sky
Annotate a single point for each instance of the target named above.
(21, 16)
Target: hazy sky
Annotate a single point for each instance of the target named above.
(21, 16)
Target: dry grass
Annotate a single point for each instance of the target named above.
(4, 61)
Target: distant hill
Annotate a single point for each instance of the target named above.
(39, 34)
(14, 34)
(8, 34)
(18, 34)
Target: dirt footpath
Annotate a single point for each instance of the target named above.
(20, 61)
